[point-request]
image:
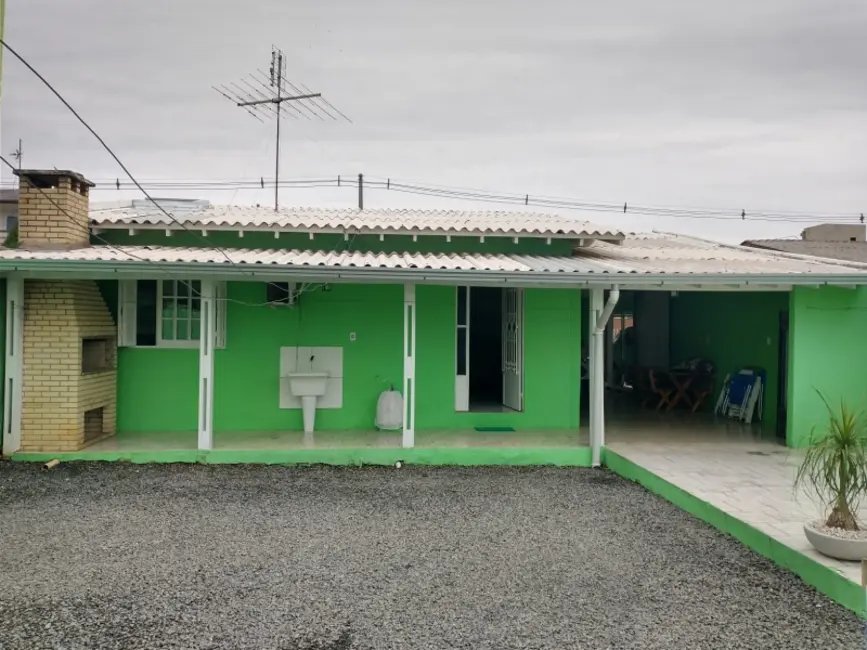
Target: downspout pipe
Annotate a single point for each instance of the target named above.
(605, 316)
(597, 424)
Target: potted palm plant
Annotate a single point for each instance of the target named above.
(834, 469)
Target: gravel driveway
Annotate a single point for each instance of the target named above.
(120, 556)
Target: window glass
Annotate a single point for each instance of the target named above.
(146, 313)
(462, 305)
(177, 316)
(462, 352)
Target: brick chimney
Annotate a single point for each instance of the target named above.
(69, 375)
(53, 209)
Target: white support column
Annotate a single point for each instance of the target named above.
(207, 342)
(599, 340)
(597, 380)
(409, 389)
(12, 388)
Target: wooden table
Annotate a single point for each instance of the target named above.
(682, 379)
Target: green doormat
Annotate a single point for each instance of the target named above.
(491, 429)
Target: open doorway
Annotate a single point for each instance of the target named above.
(486, 349)
(489, 351)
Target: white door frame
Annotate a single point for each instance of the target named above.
(462, 333)
(409, 385)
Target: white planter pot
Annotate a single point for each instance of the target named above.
(853, 549)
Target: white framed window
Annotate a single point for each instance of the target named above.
(166, 313)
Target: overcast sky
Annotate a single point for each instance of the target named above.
(756, 104)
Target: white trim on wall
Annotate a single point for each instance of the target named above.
(207, 342)
(462, 381)
(409, 346)
(12, 393)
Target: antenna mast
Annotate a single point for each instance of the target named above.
(18, 154)
(264, 96)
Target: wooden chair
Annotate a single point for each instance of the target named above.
(702, 388)
(661, 387)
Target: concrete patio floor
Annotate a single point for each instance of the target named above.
(283, 440)
(733, 468)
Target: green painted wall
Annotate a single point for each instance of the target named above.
(552, 348)
(732, 329)
(157, 387)
(330, 242)
(828, 352)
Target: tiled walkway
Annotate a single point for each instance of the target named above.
(731, 468)
(186, 441)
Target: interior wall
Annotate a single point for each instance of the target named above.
(733, 330)
(652, 327)
(552, 353)
(828, 353)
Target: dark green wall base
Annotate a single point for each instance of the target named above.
(463, 456)
(837, 587)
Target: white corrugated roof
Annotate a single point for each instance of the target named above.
(396, 222)
(638, 256)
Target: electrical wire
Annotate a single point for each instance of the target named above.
(85, 230)
(111, 152)
(441, 191)
(501, 198)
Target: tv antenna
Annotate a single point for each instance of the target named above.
(18, 154)
(262, 96)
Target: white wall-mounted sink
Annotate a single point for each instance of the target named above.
(308, 386)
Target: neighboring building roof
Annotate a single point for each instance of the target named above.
(8, 196)
(390, 222)
(855, 251)
(640, 259)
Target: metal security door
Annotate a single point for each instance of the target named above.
(513, 348)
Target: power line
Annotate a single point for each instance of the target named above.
(85, 230)
(623, 208)
(113, 155)
(501, 198)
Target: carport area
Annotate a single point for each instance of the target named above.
(119, 556)
(673, 352)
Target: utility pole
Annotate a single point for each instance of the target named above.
(258, 103)
(361, 191)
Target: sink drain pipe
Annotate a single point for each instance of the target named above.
(597, 371)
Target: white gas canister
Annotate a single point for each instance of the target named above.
(389, 411)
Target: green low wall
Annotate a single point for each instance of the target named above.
(837, 587)
(459, 456)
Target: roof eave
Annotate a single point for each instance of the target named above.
(98, 269)
(391, 232)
